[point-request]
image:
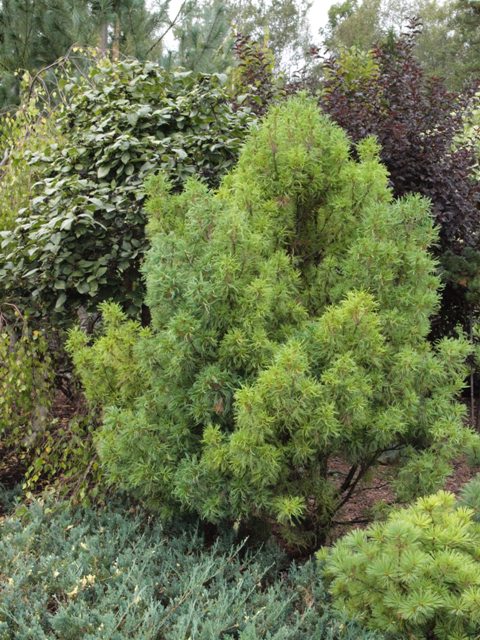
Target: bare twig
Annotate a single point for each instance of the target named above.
(346, 523)
(169, 28)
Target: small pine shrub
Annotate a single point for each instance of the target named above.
(86, 575)
(290, 314)
(109, 371)
(417, 575)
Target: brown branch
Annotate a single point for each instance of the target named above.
(363, 470)
(374, 488)
(351, 489)
(349, 478)
(169, 28)
(59, 63)
(347, 523)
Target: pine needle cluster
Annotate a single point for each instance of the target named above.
(416, 575)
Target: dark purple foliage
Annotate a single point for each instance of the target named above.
(416, 120)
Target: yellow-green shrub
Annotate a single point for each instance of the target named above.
(26, 378)
(416, 575)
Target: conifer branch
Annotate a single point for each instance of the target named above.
(168, 29)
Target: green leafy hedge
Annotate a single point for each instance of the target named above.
(80, 239)
(85, 575)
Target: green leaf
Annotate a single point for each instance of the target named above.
(67, 224)
(132, 119)
(60, 301)
(181, 153)
(103, 171)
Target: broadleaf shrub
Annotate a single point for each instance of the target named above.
(86, 575)
(63, 458)
(21, 133)
(80, 239)
(26, 381)
(420, 126)
(417, 575)
(253, 80)
(38, 447)
(290, 313)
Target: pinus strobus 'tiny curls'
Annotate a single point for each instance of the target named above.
(290, 311)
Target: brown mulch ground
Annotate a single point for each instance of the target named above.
(376, 489)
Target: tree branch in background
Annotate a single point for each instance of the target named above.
(169, 28)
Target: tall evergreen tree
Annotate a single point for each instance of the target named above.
(205, 34)
(204, 38)
(465, 24)
(129, 27)
(34, 33)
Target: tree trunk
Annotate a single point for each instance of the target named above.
(117, 31)
(103, 38)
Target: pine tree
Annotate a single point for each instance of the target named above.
(203, 38)
(34, 33)
(205, 32)
(128, 27)
(290, 314)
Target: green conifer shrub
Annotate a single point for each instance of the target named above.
(417, 575)
(470, 496)
(290, 313)
(109, 371)
(96, 575)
